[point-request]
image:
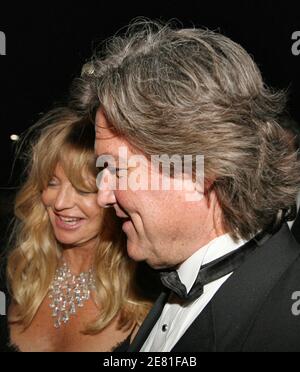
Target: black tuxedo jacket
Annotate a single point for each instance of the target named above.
(253, 311)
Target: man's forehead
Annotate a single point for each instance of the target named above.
(107, 140)
(104, 129)
(108, 145)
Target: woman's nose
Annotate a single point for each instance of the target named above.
(65, 198)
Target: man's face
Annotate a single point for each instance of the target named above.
(162, 227)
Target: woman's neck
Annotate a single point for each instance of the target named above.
(80, 258)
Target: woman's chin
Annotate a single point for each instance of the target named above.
(64, 239)
(67, 243)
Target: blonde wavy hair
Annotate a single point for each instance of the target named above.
(62, 137)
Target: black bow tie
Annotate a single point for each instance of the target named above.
(212, 271)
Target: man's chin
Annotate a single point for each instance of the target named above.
(138, 254)
(134, 252)
(157, 265)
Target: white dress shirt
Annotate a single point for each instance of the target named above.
(177, 317)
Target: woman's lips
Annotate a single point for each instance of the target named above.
(68, 223)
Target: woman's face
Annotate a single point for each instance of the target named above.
(75, 215)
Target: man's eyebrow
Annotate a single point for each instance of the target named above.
(109, 155)
(118, 160)
(106, 154)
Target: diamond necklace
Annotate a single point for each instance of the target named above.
(68, 292)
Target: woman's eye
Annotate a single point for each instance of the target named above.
(52, 183)
(82, 192)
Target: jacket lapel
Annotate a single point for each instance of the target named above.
(296, 228)
(149, 322)
(200, 336)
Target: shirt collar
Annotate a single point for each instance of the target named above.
(215, 249)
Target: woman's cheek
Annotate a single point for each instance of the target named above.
(45, 198)
(48, 198)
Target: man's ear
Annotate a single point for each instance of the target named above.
(204, 186)
(207, 188)
(196, 190)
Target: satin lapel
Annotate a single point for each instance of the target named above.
(149, 322)
(296, 228)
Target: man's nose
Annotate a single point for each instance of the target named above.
(106, 183)
(65, 198)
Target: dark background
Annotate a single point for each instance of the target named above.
(47, 43)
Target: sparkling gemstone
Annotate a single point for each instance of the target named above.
(65, 317)
(55, 312)
(72, 308)
(57, 323)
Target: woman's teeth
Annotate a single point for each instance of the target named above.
(69, 220)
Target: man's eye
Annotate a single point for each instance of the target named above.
(105, 166)
(118, 172)
(101, 169)
(121, 172)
